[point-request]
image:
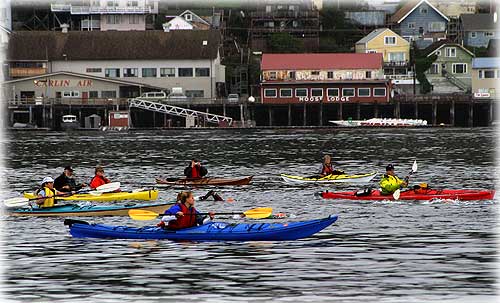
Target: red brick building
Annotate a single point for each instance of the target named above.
(326, 78)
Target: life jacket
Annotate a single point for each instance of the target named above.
(327, 169)
(188, 220)
(195, 172)
(98, 181)
(389, 184)
(47, 202)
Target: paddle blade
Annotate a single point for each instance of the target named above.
(142, 215)
(16, 202)
(95, 193)
(106, 188)
(259, 213)
(396, 194)
(414, 167)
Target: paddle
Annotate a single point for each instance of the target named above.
(255, 213)
(414, 168)
(20, 202)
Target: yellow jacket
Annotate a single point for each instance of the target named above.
(389, 184)
(48, 202)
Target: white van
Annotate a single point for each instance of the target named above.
(177, 94)
(153, 95)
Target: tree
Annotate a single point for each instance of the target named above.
(285, 43)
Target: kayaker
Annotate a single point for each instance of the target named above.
(184, 214)
(99, 178)
(66, 182)
(195, 170)
(390, 182)
(46, 194)
(327, 168)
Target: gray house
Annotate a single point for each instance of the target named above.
(476, 30)
(421, 22)
(451, 71)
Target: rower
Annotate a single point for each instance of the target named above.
(390, 182)
(195, 170)
(46, 194)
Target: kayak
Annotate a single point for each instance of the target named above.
(213, 231)
(205, 181)
(415, 194)
(89, 210)
(147, 195)
(361, 178)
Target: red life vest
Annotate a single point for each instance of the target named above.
(195, 172)
(98, 181)
(188, 220)
(327, 169)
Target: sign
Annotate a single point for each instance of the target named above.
(481, 95)
(328, 99)
(63, 83)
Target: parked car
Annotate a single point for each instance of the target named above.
(233, 98)
(176, 95)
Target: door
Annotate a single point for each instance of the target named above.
(85, 97)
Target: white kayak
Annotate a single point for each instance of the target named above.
(343, 178)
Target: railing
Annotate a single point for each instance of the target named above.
(15, 72)
(60, 7)
(121, 101)
(455, 97)
(396, 64)
(408, 76)
(86, 24)
(285, 14)
(457, 82)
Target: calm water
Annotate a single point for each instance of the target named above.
(376, 252)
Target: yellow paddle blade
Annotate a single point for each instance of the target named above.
(142, 215)
(259, 213)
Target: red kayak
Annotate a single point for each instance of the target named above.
(414, 194)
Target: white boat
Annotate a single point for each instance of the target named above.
(380, 122)
(69, 122)
(359, 178)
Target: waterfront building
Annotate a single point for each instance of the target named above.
(421, 22)
(396, 53)
(323, 78)
(187, 20)
(485, 77)
(451, 71)
(455, 8)
(106, 15)
(183, 59)
(476, 30)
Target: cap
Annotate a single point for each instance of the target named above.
(389, 167)
(68, 168)
(47, 180)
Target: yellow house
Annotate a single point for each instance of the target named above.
(383, 40)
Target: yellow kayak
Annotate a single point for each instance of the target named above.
(147, 195)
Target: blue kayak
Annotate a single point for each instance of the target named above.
(213, 231)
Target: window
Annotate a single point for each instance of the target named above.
(489, 34)
(348, 92)
(330, 75)
(411, 25)
(167, 72)
(300, 92)
(390, 40)
(459, 68)
(379, 92)
(451, 51)
(437, 26)
(130, 72)
(202, 72)
(438, 53)
(315, 73)
(110, 3)
(194, 93)
(272, 75)
(149, 72)
(188, 17)
(134, 19)
(113, 19)
(93, 94)
(434, 69)
(368, 74)
(93, 70)
(397, 57)
(185, 72)
(72, 94)
(473, 34)
(348, 75)
(332, 92)
(133, 3)
(423, 10)
(108, 94)
(270, 92)
(291, 75)
(363, 92)
(371, 51)
(112, 72)
(316, 92)
(489, 74)
(285, 93)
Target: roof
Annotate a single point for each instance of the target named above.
(409, 7)
(375, 33)
(321, 61)
(434, 47)
(477, 22)
(486, 62)
(112, 80)
(113, 45)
